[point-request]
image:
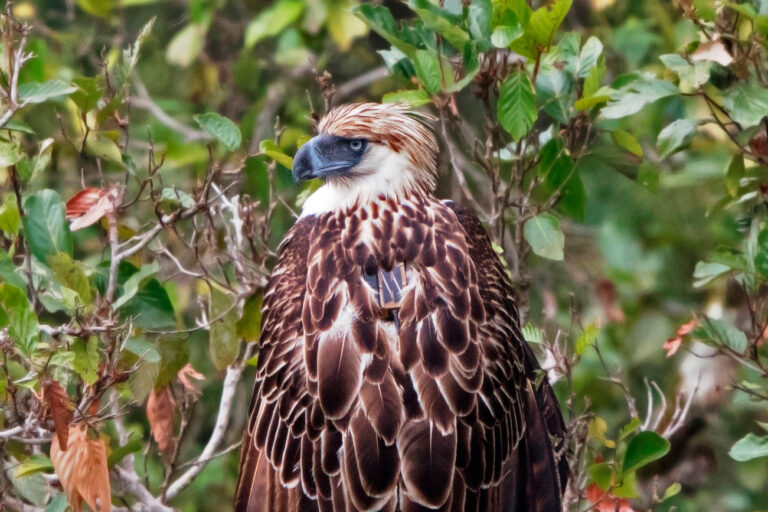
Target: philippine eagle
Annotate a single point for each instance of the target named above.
(393, 374)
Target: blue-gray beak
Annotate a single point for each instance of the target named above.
(326, 155)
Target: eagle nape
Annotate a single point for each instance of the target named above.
(393, 374)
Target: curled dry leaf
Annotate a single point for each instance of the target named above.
(82, 470)
(714, 51)
(186, 373)
(91, 204)
(61, 409)
(161, 409)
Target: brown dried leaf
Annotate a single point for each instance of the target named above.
(61, 408)
(82, 470)
(186, 373)
(161, 409)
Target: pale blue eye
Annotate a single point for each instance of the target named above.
(356, 145)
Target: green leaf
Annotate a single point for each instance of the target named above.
(35, 92)
(627, 141)
(220, 127)
(505, 35)
(249, 325)
(412, 97)
(179, 197)
(545, 237)
(747, 103)
(586, 338)
(517, 104)
(428, 70)
(441, 22)
(43, 157)
(717, 331)
(87, 94)
(629, 428)
(734, 174)
(116, 454)
(631, 98)
(553, 89)
(224, 341)
(479, 18)
(45, 225)
(142, 348)
(749, 447)
(18, 126)
(186, 45)
(761, 258)
(273, 151)
(380, 20)
(541, 28)
(10, 220)
(601, 474)
(10, 153)
(532, 334)
(9, 273)
(675, 136)
(589, 56)
(142, 381)
(692, 76)
(17, 314)
(35, 464)
(137, 280)
(86, 362)
(71, 274)
(672, 490)
(174, 354)
(644, 448)
(100, 145)
(273, 20)
(706, 272)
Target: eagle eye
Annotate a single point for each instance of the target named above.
(356, 144)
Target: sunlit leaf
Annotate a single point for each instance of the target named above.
(36, 92)
(273, 151)
(18, 316)
(644, 448)
(272, 20)
(749, 447)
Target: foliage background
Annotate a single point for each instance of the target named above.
(649, 215)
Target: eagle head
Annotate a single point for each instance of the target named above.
(386, 147)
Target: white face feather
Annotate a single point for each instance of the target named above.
(381, 171)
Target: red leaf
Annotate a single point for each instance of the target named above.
(605, 501)
(90, 205)
(61, 409)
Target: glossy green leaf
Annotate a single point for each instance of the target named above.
(380, 20)
(441, 22)
(517, 104)
(545, 237)
(719, 332)
(134, 282)
(627, 141)
(541, 28)
(601, 474)
(224, 130)
(706, 272)
(644, 448)
(46, 226)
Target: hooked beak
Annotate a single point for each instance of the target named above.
(311, 161)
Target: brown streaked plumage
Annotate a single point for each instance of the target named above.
(354, 411)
